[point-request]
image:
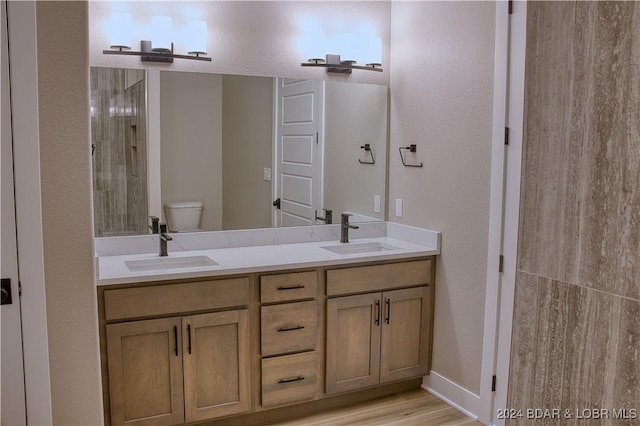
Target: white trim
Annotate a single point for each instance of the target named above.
(453, 394)
(517, 37)
(322, 99)
(498, 155)
(24, 86)
(274, 150)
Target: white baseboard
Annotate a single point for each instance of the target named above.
(452, 393)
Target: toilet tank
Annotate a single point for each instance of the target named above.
(183, 216)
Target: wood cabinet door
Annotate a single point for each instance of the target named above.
(216, 364)
(353, 342)
(145, 372)
(405, 338)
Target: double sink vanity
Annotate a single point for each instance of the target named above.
(242, 327)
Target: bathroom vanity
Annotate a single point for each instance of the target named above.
(265, 332)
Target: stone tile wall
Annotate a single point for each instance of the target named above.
(576, 335)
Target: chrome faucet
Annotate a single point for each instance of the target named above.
(344, 228)
(164, 237)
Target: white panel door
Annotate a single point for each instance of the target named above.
(299, 137)
(12, 405)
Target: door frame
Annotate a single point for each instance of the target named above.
(504, 206)
(13, 404)
(23, 55)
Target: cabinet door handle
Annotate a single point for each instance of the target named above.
(175, 337)
(377, 321)
(297, 327)
(387, 318)
(293, 287)
(293, 379)
(189, 338)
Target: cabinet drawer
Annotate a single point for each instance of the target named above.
(289, 327)
(286, 287)
(175, 298)
(378, 277)
(289, 378)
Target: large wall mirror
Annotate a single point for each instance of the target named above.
(253, 152)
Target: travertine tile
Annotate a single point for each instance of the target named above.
(601, 364)
(118, 133)
(626, 379)
(523, 344)
(580, 202)
(589, 330)
(550, 203)
(580, 213)
(538, 346)
(550, 344)
(573, 349)
(610, 221)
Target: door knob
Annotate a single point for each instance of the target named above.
(276, 203)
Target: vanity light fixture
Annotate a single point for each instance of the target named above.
(161, 34)
(353, 47)
(197, 44)
(333, 63)
(160, 47)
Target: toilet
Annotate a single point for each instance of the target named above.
(183, 216)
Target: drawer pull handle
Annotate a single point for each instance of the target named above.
(293, 287)
(175, 337)
(377, 312)
(189, 337)
(388, 316)
(297, 327)
(293, 379)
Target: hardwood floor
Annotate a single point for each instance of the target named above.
(412, 407)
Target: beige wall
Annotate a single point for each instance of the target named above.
(245, 37)
(63, 74)
(355, 114)
(576, 329)
(191, 142)
(441, 100)
(441, 92)
(247, 135)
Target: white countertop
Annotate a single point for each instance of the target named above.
(260, 250)
(239, 260)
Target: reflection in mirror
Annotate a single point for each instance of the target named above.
(213, 152)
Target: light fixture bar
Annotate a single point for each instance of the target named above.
(333, 64)
(148, 55)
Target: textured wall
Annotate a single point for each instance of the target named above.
(191, 142)
(251, 38)
(247, 144)
(576, 335)
(442, 100)
(246, 37)
(63, 96)
(355, 114)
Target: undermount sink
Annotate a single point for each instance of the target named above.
(359, 248)
(161, 263)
